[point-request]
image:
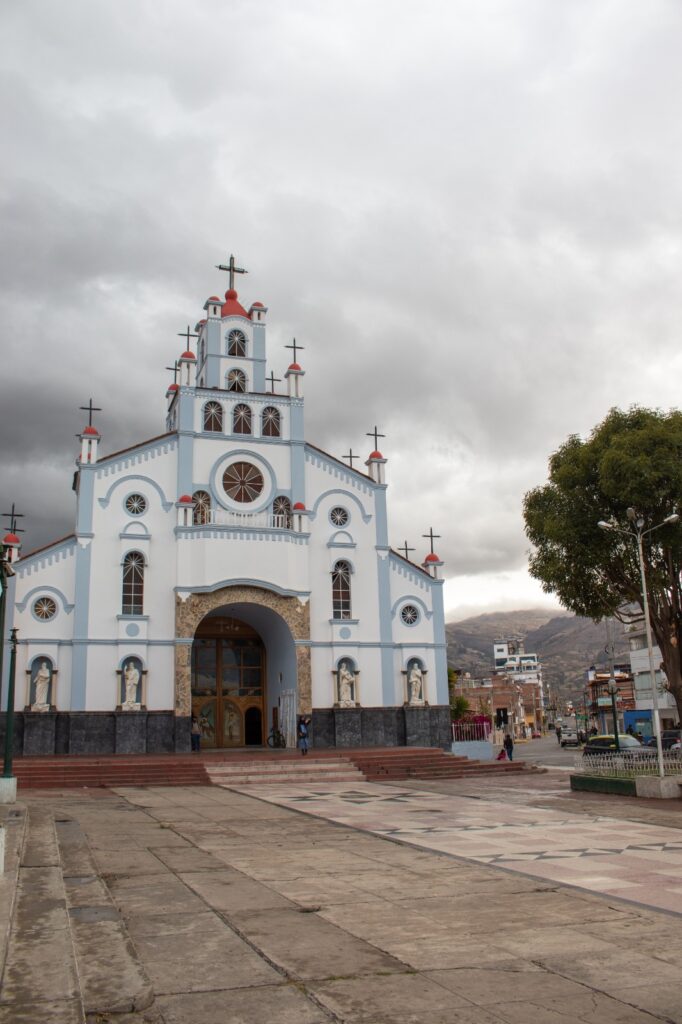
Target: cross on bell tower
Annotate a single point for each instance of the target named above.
(231, 268)
(296, 347)
(431, 536)
(90, 408)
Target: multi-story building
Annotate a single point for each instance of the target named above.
(641, 717)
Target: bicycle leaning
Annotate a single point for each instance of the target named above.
(276, 738)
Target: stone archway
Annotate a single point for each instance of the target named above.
(190, 612)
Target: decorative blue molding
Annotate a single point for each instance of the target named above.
(243, 582)
(268, 533)
(133, 618)
(165, 504)
(366, 516)
(410, 599)
(346, 622)
(52, 591)
(135, 455)
(45, 557)
(81, 618)
(133, 536)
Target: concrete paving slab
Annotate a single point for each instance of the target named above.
(152, 895)
(392, 999)
(196, 974)
(232, 891)
(492, 984)
(284, 1003)
(593, 1008)
(49, 1011)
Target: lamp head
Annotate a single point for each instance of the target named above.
(674, 518)
(603, 525)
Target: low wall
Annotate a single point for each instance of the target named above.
(97, 732)
(381, 727)
(477, 750)
(604, 784)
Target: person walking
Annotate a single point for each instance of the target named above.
(558, 734)
(509, 746)
(195, 735)
(303, 735)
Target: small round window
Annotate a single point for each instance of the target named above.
(136, 504)
(339, 516)
(409, 614)
(44, 608)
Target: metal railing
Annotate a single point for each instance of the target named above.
(468, 731)
(626, 765)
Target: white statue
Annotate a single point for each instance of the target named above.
(231, 725)
(415, 685)
(131, 677)
(346, 687)
(42, 681)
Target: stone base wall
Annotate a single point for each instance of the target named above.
(97, 732)
(382, 727)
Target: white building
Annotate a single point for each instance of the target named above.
(641, 672)
(510, 658)
(230, 569)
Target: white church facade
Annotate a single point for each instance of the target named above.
(230, 570)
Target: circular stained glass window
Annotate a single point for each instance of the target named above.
(338, 516)
(136, 504)
(45, 608)
(242, 482)
(409, 614)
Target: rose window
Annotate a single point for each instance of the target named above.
(242, 482)
(409, 615)
(136, 504)
(45, 608)
(338, 516)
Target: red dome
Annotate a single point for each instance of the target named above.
(376, 455)
(432, 558)
(257, 305)
(295, 366)
(188, 355)
(11, 538)
(299, 507)
(231, 307)
(172, 387)
(185, 499)
(213, 298)
(92, 431)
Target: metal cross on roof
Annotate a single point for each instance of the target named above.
(175, 369)
(431, 536)
(187, 335)
(406, 550)
(271, 380)
(376, 435)
(350, 457)
(90, 408)
(231, 269)
(13, 516)
(296, 348)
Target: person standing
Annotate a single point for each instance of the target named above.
(558, 734)
(195, 735)
(303, 735)
(509, 746)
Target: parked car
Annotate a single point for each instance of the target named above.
(569, 738)
(606, 744)
(670, 738)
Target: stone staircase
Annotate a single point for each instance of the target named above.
(246, 767)
(311, 769)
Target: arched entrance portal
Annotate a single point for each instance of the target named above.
(228, 682)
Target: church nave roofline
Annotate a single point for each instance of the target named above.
(365, 477)
(135, 447)
(46, 547)
(406, 561)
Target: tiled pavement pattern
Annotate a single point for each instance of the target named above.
(631, 860)
(201, 904)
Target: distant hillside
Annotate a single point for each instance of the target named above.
(566, 644)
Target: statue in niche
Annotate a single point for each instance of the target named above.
(415, 684)
(43, 678)
(346, 686)
(131, 680)
(231, 725)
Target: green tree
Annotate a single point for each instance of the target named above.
(459, 708)
(632, 460)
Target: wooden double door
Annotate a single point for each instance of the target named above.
(228, 683)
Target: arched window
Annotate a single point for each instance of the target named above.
(213, 417)
(236, 381)
(241, 419)
(270, 422)
(202, 351)
(133, 584)
(341, 591)
(202, 508)
(236, 343)
(281, 511)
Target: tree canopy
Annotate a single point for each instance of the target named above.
(632, 460)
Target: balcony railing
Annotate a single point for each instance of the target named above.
(246, 520)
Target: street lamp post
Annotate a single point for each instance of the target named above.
(612, 687)
(9, 721)
(639, 533)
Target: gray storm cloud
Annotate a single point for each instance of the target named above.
(469, 215)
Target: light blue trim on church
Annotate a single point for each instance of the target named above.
(57, 550)
(374, 644)
(297, 469)
(385, 626)
(381, 517)
(439, 634)
(244, 582)
(341, 539)
(86, 489)
(271, 533)
(80, 627)
(165, 504)
(222, 463)
(366, 516)
(410, 599)
(53, 592)
(185, 462)
(125, 535)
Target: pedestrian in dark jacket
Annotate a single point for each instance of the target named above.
(509, 746)
(303, 735)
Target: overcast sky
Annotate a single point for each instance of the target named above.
(467, 212)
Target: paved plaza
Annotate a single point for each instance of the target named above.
(182, 905)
